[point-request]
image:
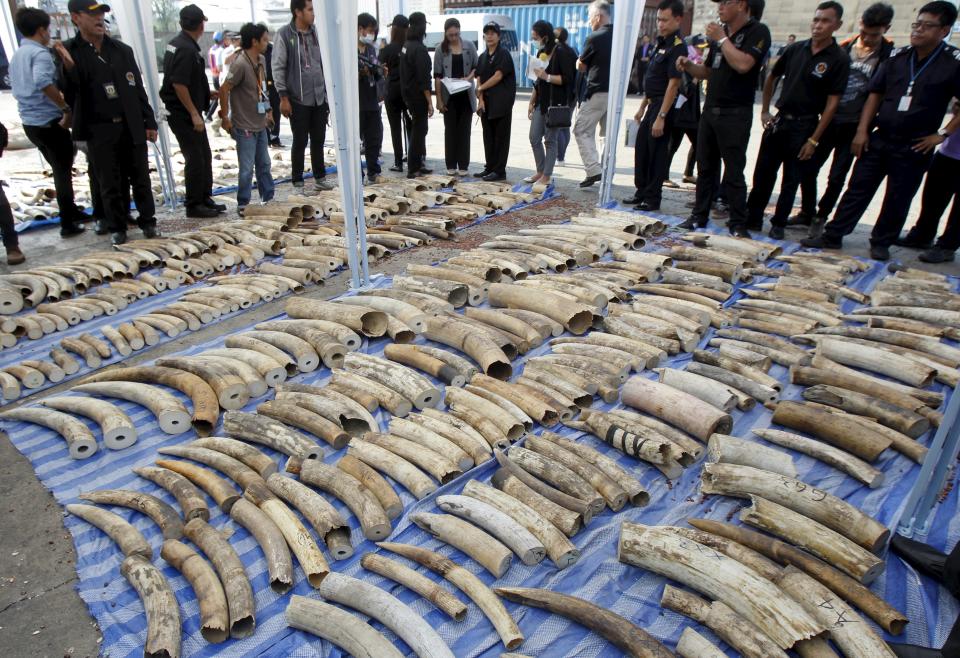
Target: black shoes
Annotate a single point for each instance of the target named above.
(100, 228)
(201, 212)
(397, 167)
(648, 207)
(879, 252)
(910, 241)
(210, 203)
(635, 200)
(413, 174)
(720, 211)
(937, 255)
(120, 237)
(590, 180)
(777, 232)
(276, 143)
(481, 174)
(821, 242)
(922, 557)
(425, 171)
(70, 230)
(800, 219)
(692, 223)
(494, 176)
(739, 232)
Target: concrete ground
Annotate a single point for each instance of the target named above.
(40, 612)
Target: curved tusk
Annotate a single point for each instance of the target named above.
(65, 361)
(637, 494)
(191, 501)
(82, 349)
(211, 600)
(369, 322)
(330, 349)
(839, 459)
(407, 429)
(206, 409)
(407, 474)
(270, 370)
(726, 449)
(413, 580)
(272, 543)
(373, 519)
(160, 604)
(339, 627)
(388, 398)
(249, 343)
(513, 480)
(236, 586)
(324, 518)
(469, 584)
(289, 413)
(456, 431)
(127, 538)
(80, 440)
(301, 351)
(520, 540)
(341, 409)
(895, 417)
(478, 346)
(458, 399)
(618, 630)
(406, 381)
(412, 356)
(232, 468)
(694, 645)
(875, 359)
(484, 549)
(240, 451)
(676, 407)
(172, 416)
(116, 427)
(434, 463)
(215, 486)
(557, 475)
(374, 483)
(231, 390)
(162, 514)
(271, 433)
(612, 493)
(840, 430)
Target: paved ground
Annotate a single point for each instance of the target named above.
(40, 613)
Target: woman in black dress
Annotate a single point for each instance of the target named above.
(495, 97)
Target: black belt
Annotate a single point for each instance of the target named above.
(798, 117)
(723, 110)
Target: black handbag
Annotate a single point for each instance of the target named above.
(558, 116)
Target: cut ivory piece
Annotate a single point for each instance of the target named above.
(80, 440)
(837, 429)
(417, 582)
(709, 390)
(678, 408)
(339, 627)
(828, 454)
(726, 449)
(117, 429)
(520, 540)
(694, 645)
(877, 360)
(484, 549)
(172, 416)
(890, 415)
(211, 600)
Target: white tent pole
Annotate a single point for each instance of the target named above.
(626, 30)
(8, 36)
(336, 24)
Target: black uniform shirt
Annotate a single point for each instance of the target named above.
(809, 79)
(933, 88)
(106, 88)
(390, 56)
(183, 65)
(369, 87)
(498, 99)
(726, 87)
(596, 55)
(663, 65)
(415, 71)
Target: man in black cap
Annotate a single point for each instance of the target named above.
(112, 114)
(185, 93)
(739, 42)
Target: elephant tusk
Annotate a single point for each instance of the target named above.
(211, 600)
(80, 441)
(127, 538)
(160, 604)
(373, 519)
(161, 513)
(339, 627)
(116, 427)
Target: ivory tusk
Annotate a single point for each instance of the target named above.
(839, 459)
(83, 350)
(369, 322)
(560, 550)
(116, 427)
(726, 449)
(289, 413)
(837, 429)
(474, 542)
(410, 355)
(10, 386)
(373, 482)
(206, 409)
(719, 577)
(434, 463)
(236, 470)
(231, 389)
(617, 630)
(69, 364)
(464, 366)
(546, 326)
(323, 341)
(890, 415)
(159, 603)
(407, 474)
(323, 516)
(270, 537)
(270, 370)
(545, 410)
(388, 398)
(80, 441)
(461, 399)
(576, 317)
(271, 433)
(191, 501)
(412, 580)
(557, 475)
(249, 343)
(161, 513)
(215, 486)
(417, 433)
(211, 600)
(469, 584)
(637, 494)
(242, 452)
(373, 519)
(127, 538)
(876, 360)
(406, 381)
(685, 449)
(846, 627)
(694, 645)
(455, 431)
(490, 432)
(520, 540)
(709, 390)
(478, 345)
(612, 493)
(676, 407)
(506, 405)
(930, 398)
(302, 352)
(228, 566)
(566, 512)
(737, 382)
(811, 376)
(339, 627)
(813, 537)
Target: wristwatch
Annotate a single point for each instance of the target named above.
(662, 115)
(943, 133)
(720, 42)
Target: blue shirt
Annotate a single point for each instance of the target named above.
(31, 69)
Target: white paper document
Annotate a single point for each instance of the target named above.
(632, 130)
(455, 85)
(533, 65)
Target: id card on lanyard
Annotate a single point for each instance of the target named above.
(263, 104)
(907, 98)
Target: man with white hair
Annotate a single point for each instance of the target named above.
(595, 63)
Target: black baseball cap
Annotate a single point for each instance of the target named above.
(418, 18)
(192, 14)
(491, 26)
(86, 7)
(399, 21)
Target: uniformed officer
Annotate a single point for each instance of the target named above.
(738, 47)
(909, 97)
(661, 86)
(185, 93)
(815, 75)
(415, 72)
(112, 114)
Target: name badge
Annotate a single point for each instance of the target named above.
(717, 59)
(111, 90)
(262, 107)
(904, 105)
(131, 79)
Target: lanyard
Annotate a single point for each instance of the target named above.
(916, 74)
(261, 83)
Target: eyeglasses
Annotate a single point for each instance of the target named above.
(925, 25)
(728, 2)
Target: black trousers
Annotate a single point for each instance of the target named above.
(836, 140)
(308, 122)
(456, 132)
(275, 109)
(198, 161)
(942, 186)
(214, 102)
(417, 154)
(779, 147)
(651, 156)
(723, 138)
(399, 121)
(56, 146)
(112, 151)
(7, 230)
(902, 167)
(496, 142)
(676, 139)
(371, 131)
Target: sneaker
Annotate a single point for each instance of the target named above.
(590, 180)
(15, 256)
(646, 206)
(120, 237)
(932, 255)
(481, 174)
(397, 167)
(720, 211)
(634, 200)
(910, 241)
(462, 172)
(451, 172)
(777, 233)
(879, 252)
(323, 185)
(821, 242)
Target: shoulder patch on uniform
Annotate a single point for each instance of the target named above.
(677, 41)
(171, 48)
